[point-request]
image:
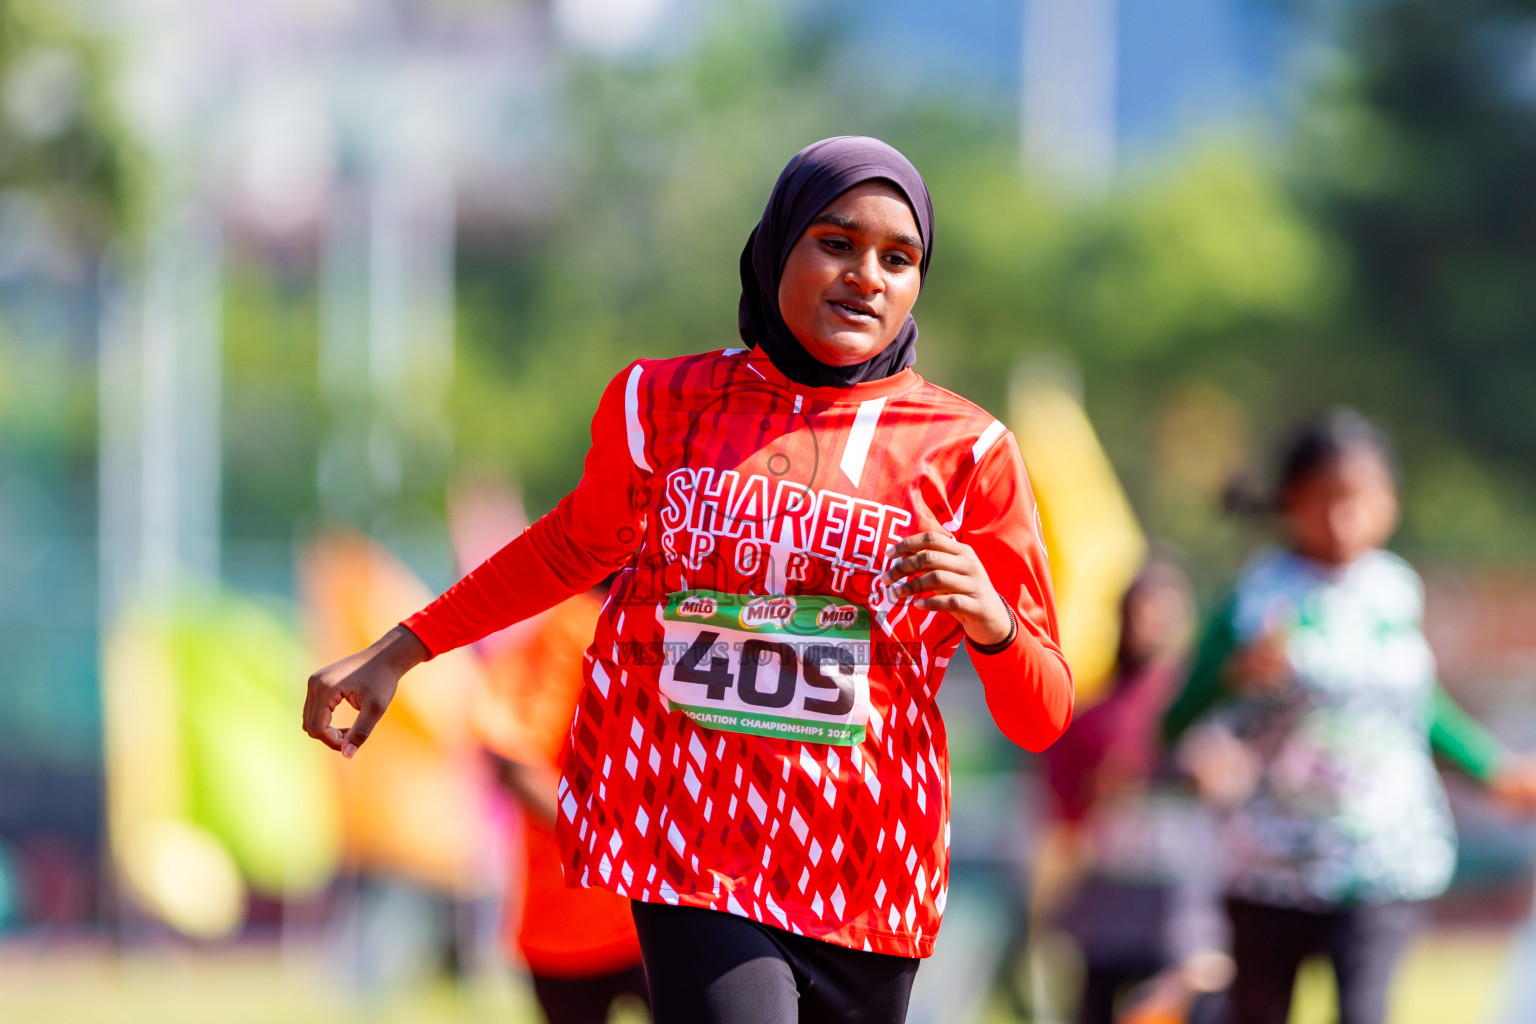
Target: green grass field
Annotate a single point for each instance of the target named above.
(248, 985)
(1448, 978)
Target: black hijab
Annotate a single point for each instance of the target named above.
(818, 174)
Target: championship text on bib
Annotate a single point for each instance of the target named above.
(791, 667)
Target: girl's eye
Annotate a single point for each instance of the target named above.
(836, 244)
(897, 259)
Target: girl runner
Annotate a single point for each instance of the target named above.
(805, 530)
(1321, 696)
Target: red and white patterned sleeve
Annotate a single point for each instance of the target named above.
(591, 533)
(1028, 684)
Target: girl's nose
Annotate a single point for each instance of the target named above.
(865, 274)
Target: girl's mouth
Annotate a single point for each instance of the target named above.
(856, 313)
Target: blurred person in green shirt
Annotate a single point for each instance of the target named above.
(1310, 716)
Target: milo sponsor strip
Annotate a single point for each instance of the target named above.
(790, 667)
(800, 615)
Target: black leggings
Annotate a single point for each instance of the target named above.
(1269, 943)
(709, 967)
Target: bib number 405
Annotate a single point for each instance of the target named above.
(700, 664)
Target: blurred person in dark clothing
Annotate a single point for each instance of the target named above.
(1144, 905)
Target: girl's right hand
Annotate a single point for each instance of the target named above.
(366, 680)
(1261, 666)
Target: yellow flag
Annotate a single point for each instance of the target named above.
(1095, 544)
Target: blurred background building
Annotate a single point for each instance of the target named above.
(273, 268)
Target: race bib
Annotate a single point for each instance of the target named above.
(792, 667)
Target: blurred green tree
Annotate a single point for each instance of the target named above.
(63, 194)
(665, 166)
(1419, 149)
(1380, 254)
(58, 137)
(1189, 272)
(63, 197)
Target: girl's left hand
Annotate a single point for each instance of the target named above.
(1514, 784)
(941, 574)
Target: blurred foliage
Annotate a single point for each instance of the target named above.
(666, 166)
(1381, 251)
(272, 408)
(1380, 255)
(1199, 269)
(58, 139)
(63, 196)
(1418, 154)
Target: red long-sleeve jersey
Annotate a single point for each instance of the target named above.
(758, 732)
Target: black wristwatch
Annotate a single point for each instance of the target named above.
(1003, 644)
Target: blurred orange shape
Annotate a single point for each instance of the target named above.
(412, 799)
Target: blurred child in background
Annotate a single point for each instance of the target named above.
(1145, 905)
(579, 944)
(1321, 710)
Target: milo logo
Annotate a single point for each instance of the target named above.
(697, 607)
(767, 611)
(837, 616)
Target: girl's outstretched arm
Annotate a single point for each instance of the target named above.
(592, 532)
(1462, 739)
(1467, 743)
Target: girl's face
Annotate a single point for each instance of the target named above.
(1343, 508)
(1157, 619)
(852, 278)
